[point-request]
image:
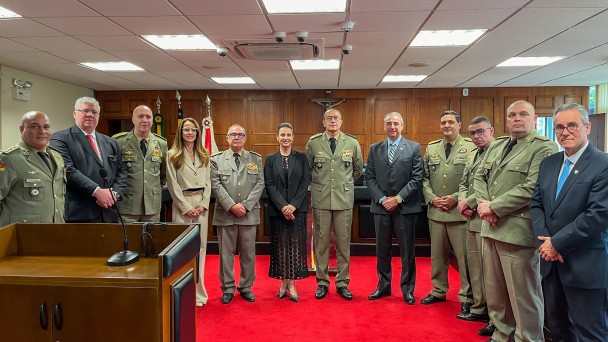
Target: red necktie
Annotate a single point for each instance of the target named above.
(92, 142)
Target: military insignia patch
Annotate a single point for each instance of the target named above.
(2, 167)
(252, 167)
(463, 150)
(433, 168)
(347, 153)
(548, 153)
(224, 177)
(319, 165)
(157, 153)
(129, 164)
(434, 156)
(35, 192)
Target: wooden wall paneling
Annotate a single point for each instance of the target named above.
(383, 107)
(428, 118)
(307, 118)
(575, 99)
(597, 136)
(472, 107)
(544, 104)
(353, 116)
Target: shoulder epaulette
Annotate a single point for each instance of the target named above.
(52, 148)
(257, 154)
(11, 149)
(315, 136)
(118, 135)
(542, 137)
(503, 137)
(350, 135)
(467, 139)
(160, 137)
(217, 153)
(435, 141)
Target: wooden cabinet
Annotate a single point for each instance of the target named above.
(54, 293)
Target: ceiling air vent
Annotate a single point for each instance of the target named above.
(266, 50)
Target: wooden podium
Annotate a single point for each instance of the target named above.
(55, 284)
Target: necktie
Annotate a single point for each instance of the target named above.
(45, 160)
(509, 148)
(92, 142)
(563, 176)
(236, 160)
(448, 149)
(391, 152)
(332, 144)
(143, 147)
(479, 152)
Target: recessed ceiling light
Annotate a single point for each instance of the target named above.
(181, 42)
(6, 13)
(233, 80)
(113, 66)
(447, 37)
(315, 64)
(530, 61)
(308, 6)
(403, 78)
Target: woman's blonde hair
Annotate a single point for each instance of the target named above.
(177, 156)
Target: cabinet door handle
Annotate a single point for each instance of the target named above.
(58, 316)
(43, 317)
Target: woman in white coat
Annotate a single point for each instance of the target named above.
(189, 183)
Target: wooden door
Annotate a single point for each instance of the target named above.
(101, 314)
(26, 312)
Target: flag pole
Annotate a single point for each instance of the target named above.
(180, 111)
(159, 127)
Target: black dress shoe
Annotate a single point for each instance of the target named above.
(321, 291)
(294, 298)
(473, 317)
(430, 299)
(282, 294)
(344, 293)
(409, 299)
(378, 294)
(248, 296)
(488, 330)
(227, 298)
(465, 307)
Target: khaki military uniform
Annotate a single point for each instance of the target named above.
(510, 258)
(143, 194)
(232, 185)
(441, 178)
(333, 196)
(29, 191)
(473, 234)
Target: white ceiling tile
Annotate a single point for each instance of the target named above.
(33, 57)
(322, 22)
(55, 43)
(163, 66)
(7, 45)
(117, 43)
(131, 8)
(546, 18)
(156, 25)
(405, 22)
(49, 8)
(367, 6)
(143, 56)
(568, 3)
(86, 56)
(24, 27)
(466, 19)
(481, 4)
(84, 26)
(277, 82)
(216, 7)
(232, 24)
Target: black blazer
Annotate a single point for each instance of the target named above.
(82, 170)
(577, 221)
(281, 192)
(402, 177)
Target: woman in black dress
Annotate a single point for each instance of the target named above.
(287, 175)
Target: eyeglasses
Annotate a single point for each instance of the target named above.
(236, 135)
(333, 118)
(188, 130)
(88, 111)
(478, 132)
(571, 127)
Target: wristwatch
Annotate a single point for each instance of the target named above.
(399, 199)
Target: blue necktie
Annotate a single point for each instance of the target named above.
(563, 176)
(391, 152)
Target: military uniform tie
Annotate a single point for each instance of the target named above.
(45, 160)
(448, 150)
(332, 144)
(509, 148)
(236, 160)
(143, 147)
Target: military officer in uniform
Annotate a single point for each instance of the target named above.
(32, 176)
(144, 155)
(482, 134)
(336, 163)
(237, 180)
(504, 183)
(444, 164)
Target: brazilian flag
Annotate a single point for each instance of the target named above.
(159, 125)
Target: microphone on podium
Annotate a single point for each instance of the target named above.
(124, 257)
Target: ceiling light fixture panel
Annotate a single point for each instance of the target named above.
(447, 37)
(308, 6)
(403, 78)
(181, 42)
(315, 64)
(529, 61)
(5, 13)
(233, 80)
(112, 66)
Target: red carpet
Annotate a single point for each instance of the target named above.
(333, 318)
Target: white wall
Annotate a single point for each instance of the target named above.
(54, 98)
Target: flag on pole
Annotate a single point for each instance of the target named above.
(159, 126)
(208, 137)
(180, 111)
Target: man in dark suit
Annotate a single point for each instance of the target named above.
(394, 175)
(569, 213)
(85, 152)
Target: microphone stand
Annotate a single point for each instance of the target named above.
(124, 257)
